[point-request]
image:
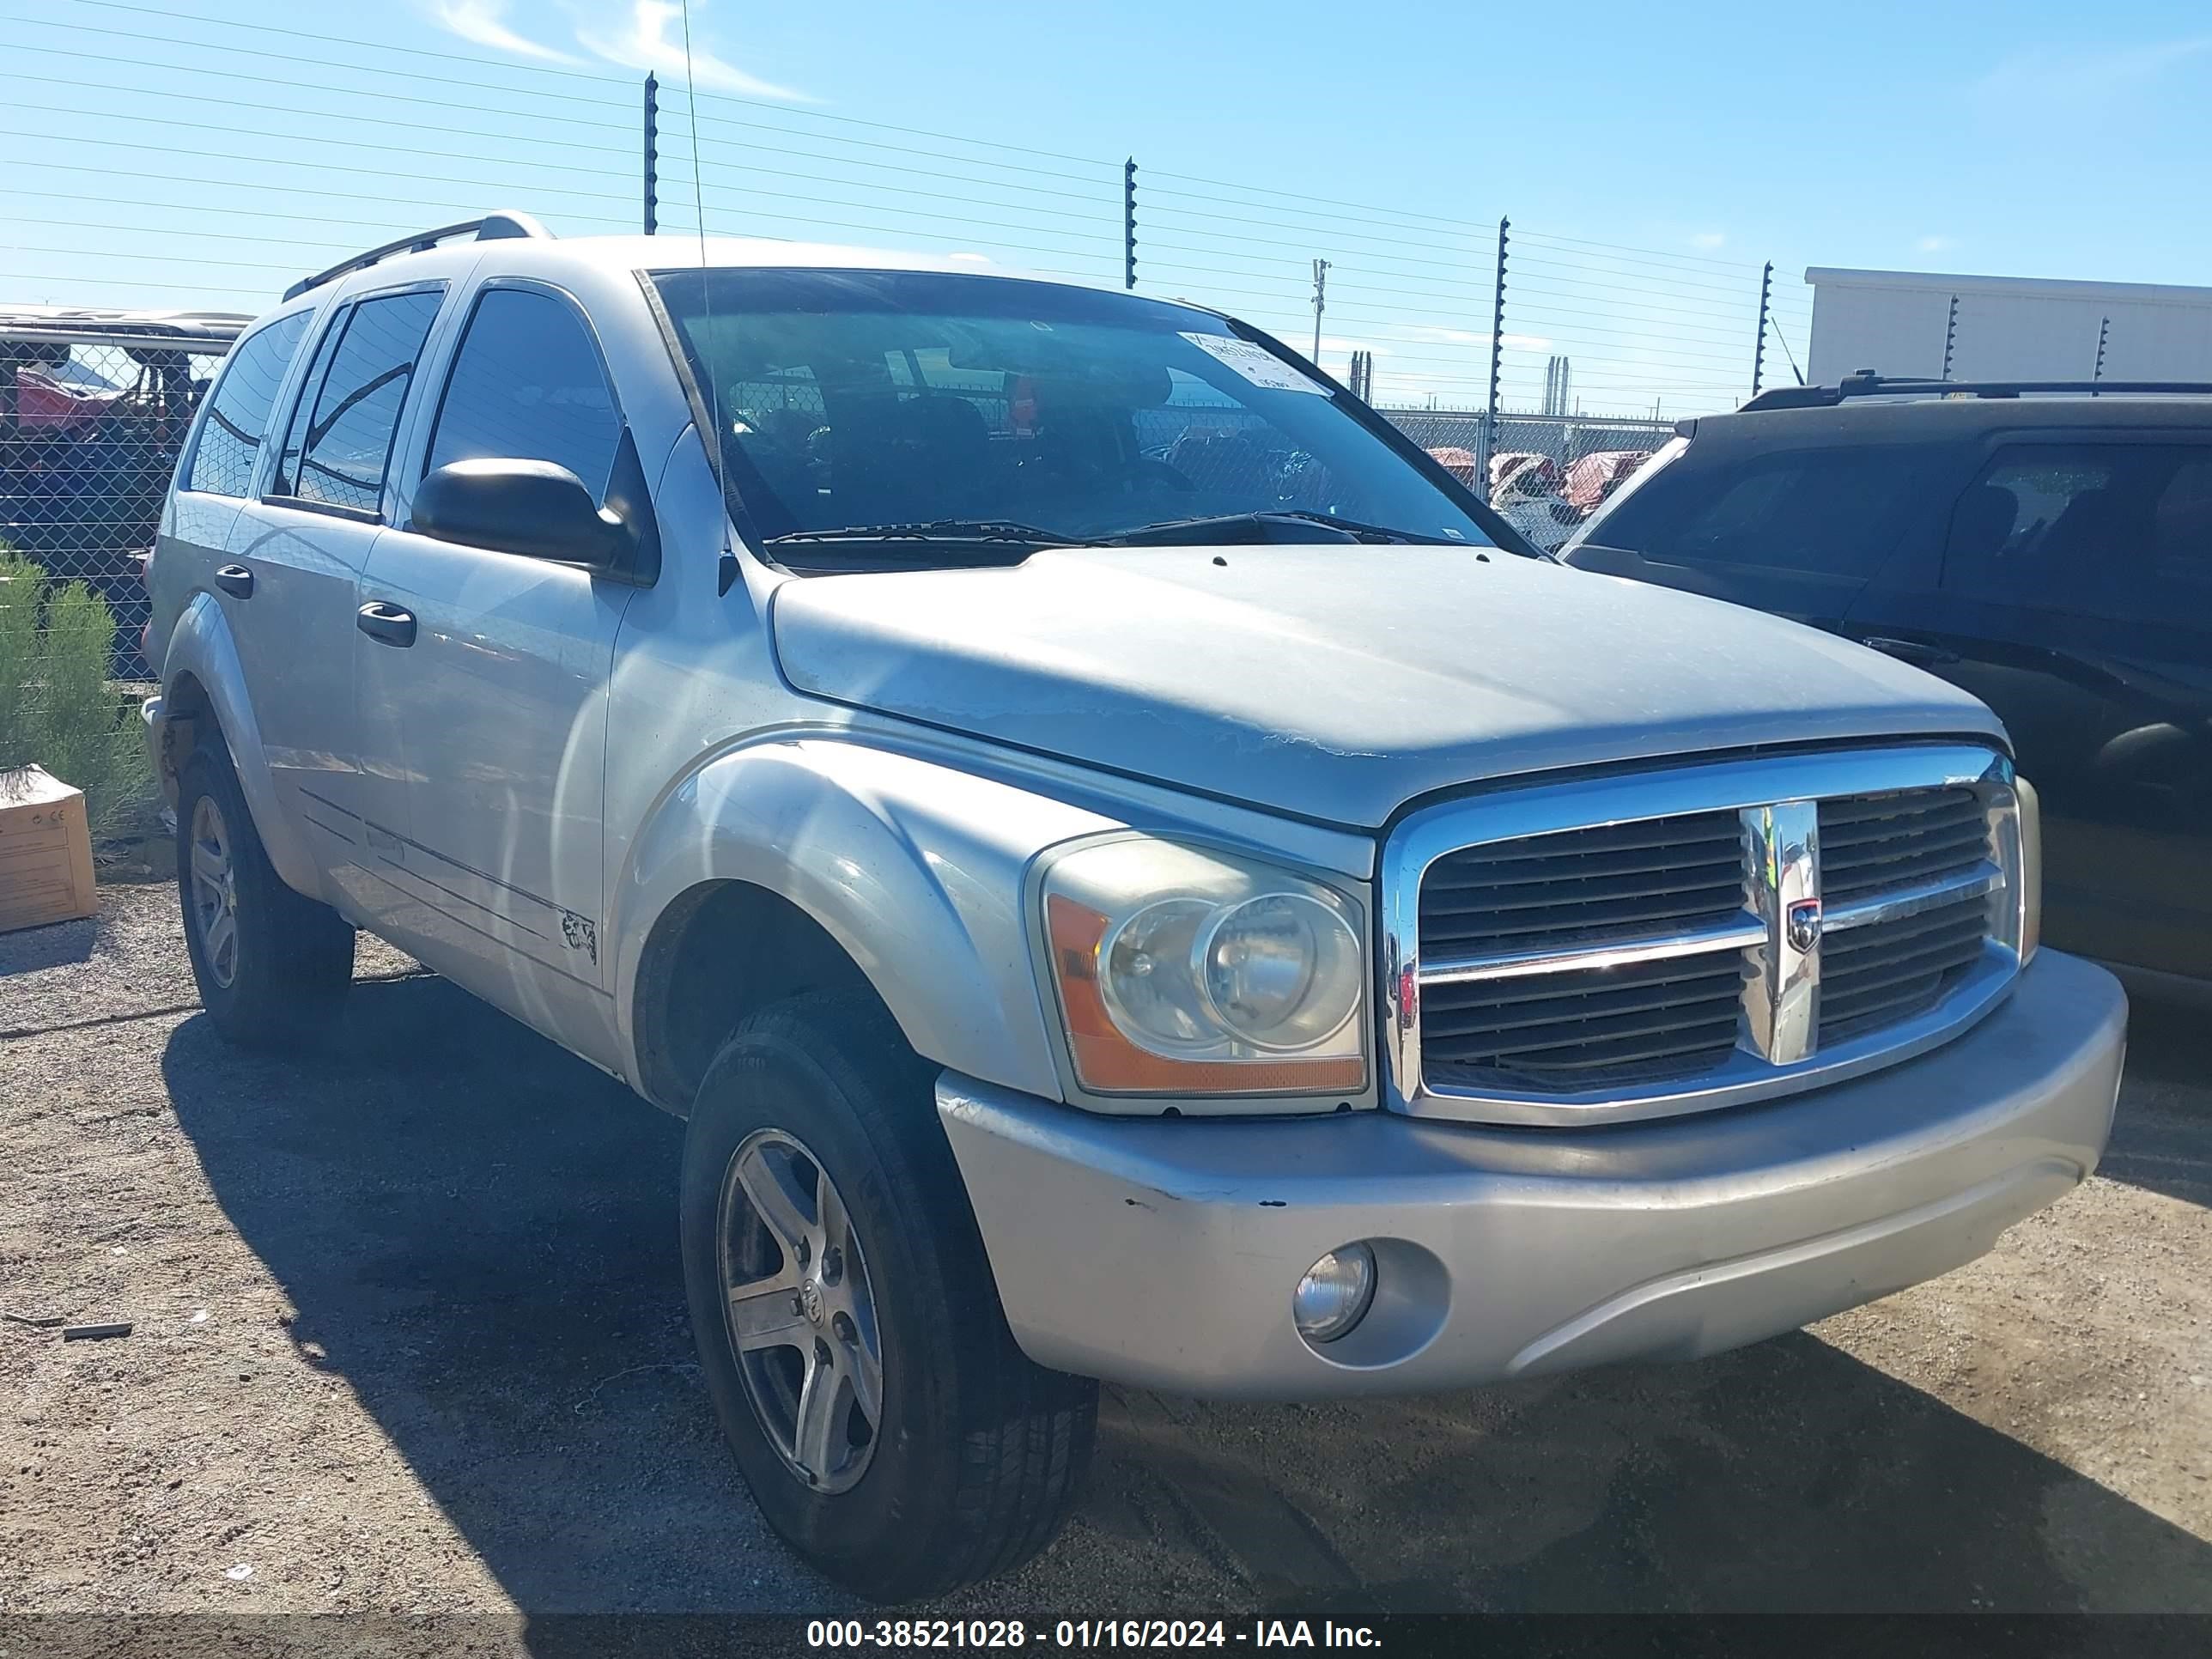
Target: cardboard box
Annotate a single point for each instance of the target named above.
(46, 851)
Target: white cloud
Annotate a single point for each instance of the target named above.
(1934, 243)
(651, 37)
(1335, 345)
(1709, 239)
(1461, 337)
(484, 23)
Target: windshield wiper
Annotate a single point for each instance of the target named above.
(955, 530)
(1215, 527)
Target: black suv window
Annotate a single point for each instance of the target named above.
(339, 457)
(2122, 530)
(238, 417)
(1825, 511)
(527, 385)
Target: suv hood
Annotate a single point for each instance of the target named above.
(1338, 682)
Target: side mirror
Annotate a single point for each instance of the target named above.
(532, 507)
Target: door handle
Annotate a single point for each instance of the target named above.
(1912, 651)
(386, 623)
(235, 579)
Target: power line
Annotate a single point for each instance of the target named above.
(1331, 233)
(414, 76)
(1405, 219)
(1525, 263)
(380, 173)
(1301, 196)
(933, 214)
(901, 149)
(323, 39)
(282, 161)
(753, 148)
(161, 254)
(598, 77)
(892, 126)
(1656, 253)
(533, 140)
(1240, 239)
(321, 193)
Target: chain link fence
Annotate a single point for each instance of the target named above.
(94, 410)
(95, 407)
(1546, 473)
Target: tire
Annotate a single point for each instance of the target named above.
(975, 1452)
(273, 977)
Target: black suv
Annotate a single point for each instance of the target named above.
(2047, 547)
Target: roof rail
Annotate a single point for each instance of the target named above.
(1868, 384)
(492, 228)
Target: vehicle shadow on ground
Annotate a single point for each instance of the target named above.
(2161, 1136)
(477, 1231)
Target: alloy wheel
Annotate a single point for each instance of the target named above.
(215, 892)
(799, 1310)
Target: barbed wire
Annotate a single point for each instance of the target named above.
(1414, 287)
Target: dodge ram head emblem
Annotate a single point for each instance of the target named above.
(1801, 923)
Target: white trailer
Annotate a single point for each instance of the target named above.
(2006, 328)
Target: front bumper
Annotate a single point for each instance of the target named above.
(1163, 1252)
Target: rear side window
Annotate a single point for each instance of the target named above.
(1822, 512)
(238, 417)
(338, 456)
(2122, 530)
(527, 385)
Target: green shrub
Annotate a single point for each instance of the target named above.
(57, 709)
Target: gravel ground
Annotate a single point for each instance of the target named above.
(409, 1338)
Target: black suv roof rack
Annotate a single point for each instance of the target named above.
(1868, 384)
(492, 228)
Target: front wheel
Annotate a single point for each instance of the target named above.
(849, 1330)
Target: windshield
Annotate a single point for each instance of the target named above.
(870, 406)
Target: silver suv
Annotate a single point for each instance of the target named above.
(1129, 870)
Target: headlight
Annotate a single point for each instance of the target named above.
(1182, 971)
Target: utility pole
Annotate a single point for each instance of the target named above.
(1321, 300)
(1950, 337)
(2104, 332)
(1129, 223)
(651, 155)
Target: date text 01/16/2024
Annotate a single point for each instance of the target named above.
(1086, 1633)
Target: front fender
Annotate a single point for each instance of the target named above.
(916, 869)
(201, 647)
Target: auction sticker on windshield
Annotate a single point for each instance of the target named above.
(1256, 363)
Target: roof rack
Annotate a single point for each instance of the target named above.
(1868, 384)
(492, 228)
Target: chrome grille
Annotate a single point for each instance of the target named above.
(1632, 946)
(1889, 840)
(1884, 971)
(1544, 894)
(1872, 975)
(1605, 881)
(1580, 1027)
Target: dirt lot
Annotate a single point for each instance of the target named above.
(410, 1338)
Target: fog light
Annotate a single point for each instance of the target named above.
(1334, 1294)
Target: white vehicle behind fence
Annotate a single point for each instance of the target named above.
(1129, 868)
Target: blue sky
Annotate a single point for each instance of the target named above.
(174, 152)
